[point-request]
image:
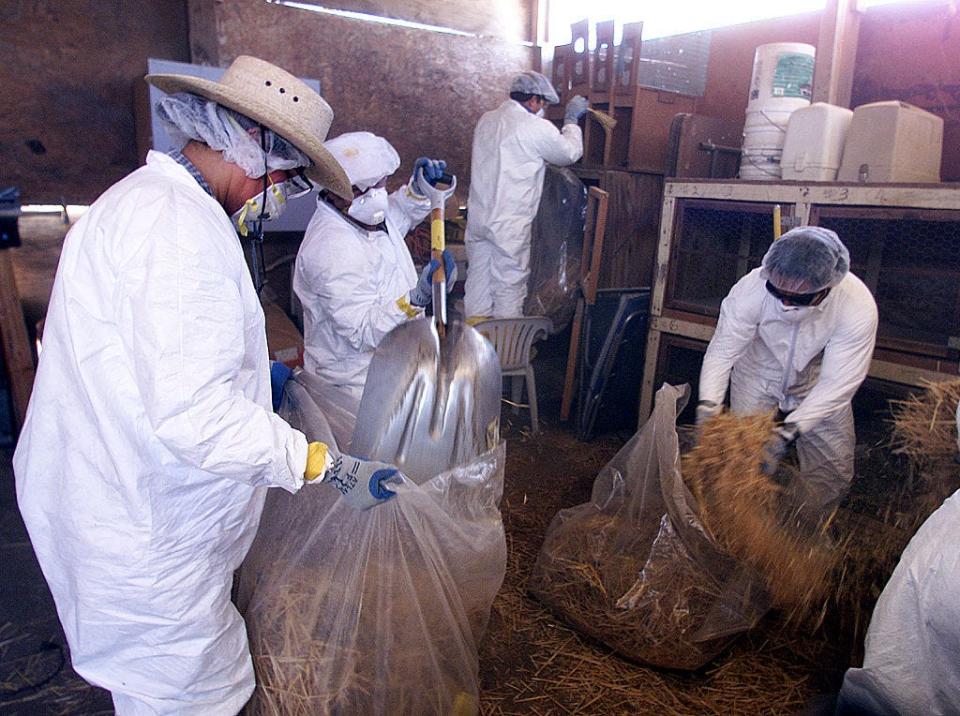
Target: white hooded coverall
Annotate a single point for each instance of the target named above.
(806, 361)
(149, 444)
(353, 285)
(911, 665)
(510, 147)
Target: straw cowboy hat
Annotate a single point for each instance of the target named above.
(278, 100)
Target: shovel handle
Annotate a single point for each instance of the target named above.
(438, 242)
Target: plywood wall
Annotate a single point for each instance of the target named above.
(68, 70)
(424, 91)
(913, 54)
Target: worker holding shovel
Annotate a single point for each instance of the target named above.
(354, 275)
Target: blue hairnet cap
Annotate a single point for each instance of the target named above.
(531, 82)
(806, 260)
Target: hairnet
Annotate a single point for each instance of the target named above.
(365, 157)
(806, 260)
(531, 82)
(191, 117)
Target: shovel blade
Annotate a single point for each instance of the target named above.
(429, 403)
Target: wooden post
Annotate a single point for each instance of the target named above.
(14, 342)
(594, 230)
(836, 52)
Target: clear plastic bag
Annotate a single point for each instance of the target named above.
(634, 568)
(375, 612)
(556, 247)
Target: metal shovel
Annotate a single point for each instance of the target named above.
(432, 396)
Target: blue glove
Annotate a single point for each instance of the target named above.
(433, 170)
(363, 483)
(779, 441)
(422, 293)
(576, 108)
(279, 375)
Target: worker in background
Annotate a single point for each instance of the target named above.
(354, 275)
(911, 662)
(796, 335)
(150, 441)
(510, 147)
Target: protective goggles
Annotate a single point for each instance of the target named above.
(297, 185)
(796, 299)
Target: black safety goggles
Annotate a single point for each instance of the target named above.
(796, 299)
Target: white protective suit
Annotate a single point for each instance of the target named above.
(911, 665)
(510, 147)
(149, 444)
(353, 285)
(809, 368)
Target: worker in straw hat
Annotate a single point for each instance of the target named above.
(796, 335)
(911, 662)
(354, 274)
(511, 145)
(150, 441)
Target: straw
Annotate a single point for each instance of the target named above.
(605, 120)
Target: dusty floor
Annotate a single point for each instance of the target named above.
(530, 662)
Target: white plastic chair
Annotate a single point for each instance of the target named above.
(513, 339)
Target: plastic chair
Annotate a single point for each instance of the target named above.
(513, 339)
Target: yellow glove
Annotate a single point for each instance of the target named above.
(317, 461)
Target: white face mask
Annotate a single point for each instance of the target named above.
(794, 314)
(245, 218)
(370, 208)
(540, 112)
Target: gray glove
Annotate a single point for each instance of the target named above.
(707, 409)
(422, 294)
(576, 108)
(363, 483)
(779, 441)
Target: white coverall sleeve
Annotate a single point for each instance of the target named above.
(561, 148)
(349, 296)
(182, 321)
(407, 209)
(736, 329)
(846, 360)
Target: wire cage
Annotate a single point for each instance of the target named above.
(910, 261)
(714, 245)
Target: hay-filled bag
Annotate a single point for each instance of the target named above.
(375, 612)
(634, 568)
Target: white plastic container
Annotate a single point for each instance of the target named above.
(813, 148)
(781, 83)
(892, 142)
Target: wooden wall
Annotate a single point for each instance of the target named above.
(68, 71)
(912, 53)
(424, 91)
(731, 60)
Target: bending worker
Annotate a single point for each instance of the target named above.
(797, 335)
(354, 275)
(150, 441)
(510, 146)
(911, 662)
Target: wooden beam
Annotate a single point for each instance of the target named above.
(14, 342)
(836, 52)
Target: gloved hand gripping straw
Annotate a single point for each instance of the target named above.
(438, 242)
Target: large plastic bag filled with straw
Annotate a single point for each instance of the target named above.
(375, 612)
(634, 568)
(556, 247)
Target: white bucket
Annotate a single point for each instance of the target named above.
(781, 83)
(782, 76)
